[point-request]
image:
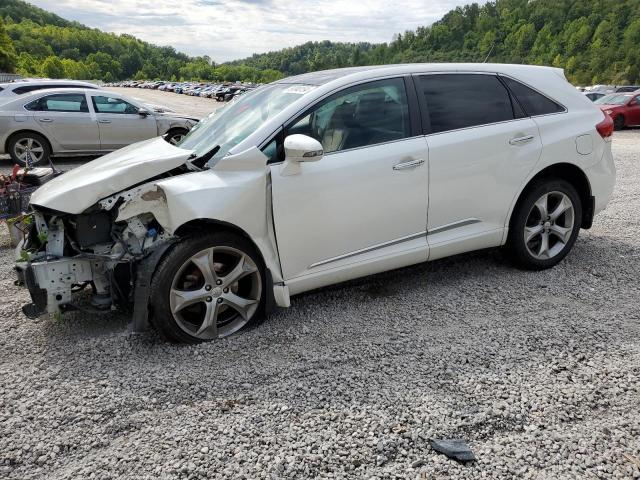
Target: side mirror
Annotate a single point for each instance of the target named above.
(297, 149)
(143, 112)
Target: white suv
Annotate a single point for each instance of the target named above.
(318, 179)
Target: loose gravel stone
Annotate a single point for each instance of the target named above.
(538, 372)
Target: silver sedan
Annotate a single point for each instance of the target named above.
(81, 121)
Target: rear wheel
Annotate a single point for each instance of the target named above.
(29, 148)
(618, 122)
(545, 225)
(207, 288)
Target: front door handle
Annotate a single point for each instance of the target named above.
(46, 120)
(521, 140)
(104, 121)
(410, 164)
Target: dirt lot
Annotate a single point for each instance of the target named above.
(540, 372)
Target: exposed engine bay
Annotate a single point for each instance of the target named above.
(66, 253)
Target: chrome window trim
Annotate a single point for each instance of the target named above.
(24, 107)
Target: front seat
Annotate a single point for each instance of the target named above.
(338, 128)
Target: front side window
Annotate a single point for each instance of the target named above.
(368, 114)
(62, 102)
(534, 103)
(104, 104)
(457, 101)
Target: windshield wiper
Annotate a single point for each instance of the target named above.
(200, 162)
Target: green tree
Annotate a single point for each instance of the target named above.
(52, 67)
(7, 52)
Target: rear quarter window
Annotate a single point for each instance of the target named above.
(533, 103)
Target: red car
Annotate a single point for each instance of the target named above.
(623, 108)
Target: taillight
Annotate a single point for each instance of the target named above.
(605, 128)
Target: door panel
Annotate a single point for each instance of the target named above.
(633, 112)
(119, 122)
(475, 174)
(350, 201)
(71, 130)
(120, 130)
(65, 119)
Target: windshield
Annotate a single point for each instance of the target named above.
(230, 125)
(613, 99)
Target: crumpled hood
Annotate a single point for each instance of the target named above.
(78, 189)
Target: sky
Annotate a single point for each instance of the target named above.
(231, 29)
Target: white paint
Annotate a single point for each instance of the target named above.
(351, 213)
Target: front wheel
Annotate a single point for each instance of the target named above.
(208, 287)
(176, 135)
(544, 225)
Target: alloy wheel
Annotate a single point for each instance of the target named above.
(549, 225)
(176, 138)
(215, 292)
(28, 147)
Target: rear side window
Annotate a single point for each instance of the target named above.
(534, 103)
(62, 102)
(457, 101)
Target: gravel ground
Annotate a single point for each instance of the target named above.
(540, 372)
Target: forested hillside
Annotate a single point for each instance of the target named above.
(596, 41)
(41, 43)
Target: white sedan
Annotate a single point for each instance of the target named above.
(318, 179)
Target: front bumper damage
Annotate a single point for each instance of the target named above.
(65, 254)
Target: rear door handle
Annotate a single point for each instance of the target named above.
(46, 120)
(104, 121)
(410, 164)
(521, 140)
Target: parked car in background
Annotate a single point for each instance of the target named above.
(354, 171)
(593, 96)
(626, 89)
(40, 124)
(10, 91)
(623, 108)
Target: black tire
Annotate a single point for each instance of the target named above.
(174, 135)
(179, 330)
(20, 138)
(618, 122)
(523, 217)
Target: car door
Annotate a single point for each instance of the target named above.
(367, 197)
(65, 119)
(481, 148)
(633, 111)
(120, 123)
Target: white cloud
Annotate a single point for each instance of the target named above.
(231, 29)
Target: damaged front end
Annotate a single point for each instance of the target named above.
(106, 248)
